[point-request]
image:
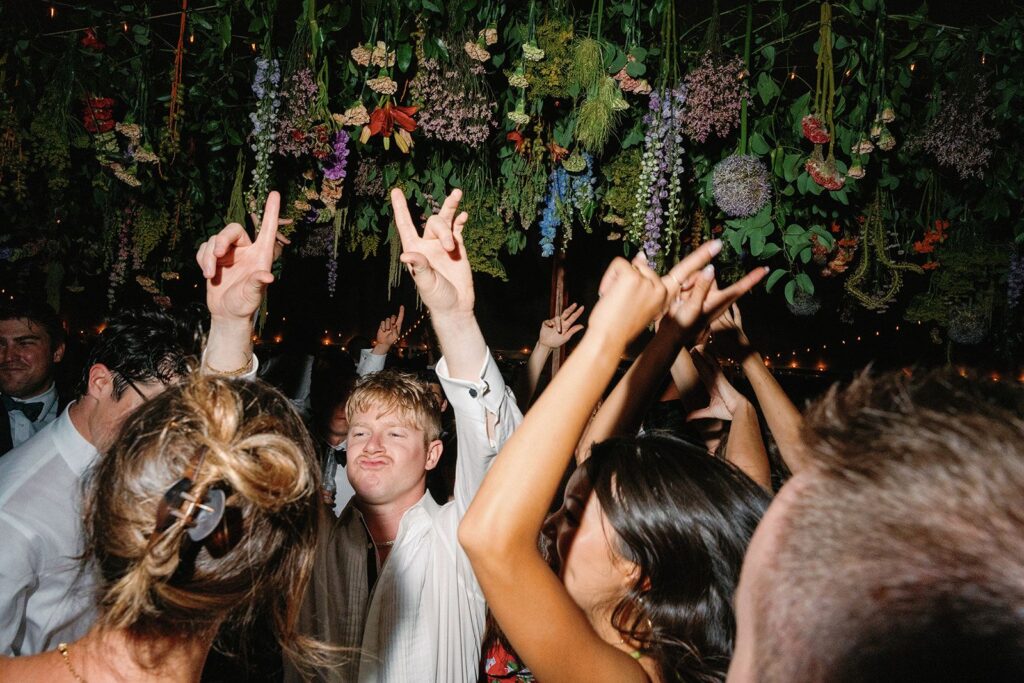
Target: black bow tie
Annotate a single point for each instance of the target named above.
(30, 410)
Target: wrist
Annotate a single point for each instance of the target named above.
(231, 324)
(608, 340)
(380, 349)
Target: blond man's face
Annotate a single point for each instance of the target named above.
(388, 457)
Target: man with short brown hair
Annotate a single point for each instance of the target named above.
(898, 554)
(31, 345)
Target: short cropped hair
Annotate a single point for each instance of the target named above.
(389, 390)
(145, 346)
(38, 313)
(901, 556)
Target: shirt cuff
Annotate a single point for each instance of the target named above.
(370, 362)
(466, 395)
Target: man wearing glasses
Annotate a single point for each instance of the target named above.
(45, 598)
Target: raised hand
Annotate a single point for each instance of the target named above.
(698, 301)
(631, 296)
(389, 331)
(437, 259)
(554, 333)
(728, 338)
(237, 269)
(725, 399)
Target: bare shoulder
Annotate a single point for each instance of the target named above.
(46, 667)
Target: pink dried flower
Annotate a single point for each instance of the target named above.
(715, 92)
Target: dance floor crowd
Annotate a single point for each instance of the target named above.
(180, 518)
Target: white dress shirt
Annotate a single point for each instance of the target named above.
(44, 600)
(423, 619)
(22, 428)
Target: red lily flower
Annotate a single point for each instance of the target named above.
(518, 138)
(384, 119)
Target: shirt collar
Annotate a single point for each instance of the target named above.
(48, 398)
(72, 446)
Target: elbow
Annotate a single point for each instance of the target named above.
(472, 537)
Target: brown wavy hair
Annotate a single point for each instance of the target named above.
(254, 447)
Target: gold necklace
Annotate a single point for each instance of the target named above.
(63, 647)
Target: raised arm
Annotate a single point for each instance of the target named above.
(554, 334)
(783, 418)
(697, 303)
(440, 268)
(745, 447)
(499, 533)
(485, 410)
(388, 333)
(237, 272)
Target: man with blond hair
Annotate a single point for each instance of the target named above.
(391, 584)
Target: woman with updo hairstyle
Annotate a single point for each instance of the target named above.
(202, 514)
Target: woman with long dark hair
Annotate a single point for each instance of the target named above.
(651, 536)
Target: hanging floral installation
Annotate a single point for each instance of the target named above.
(566, 118)
(819, 126)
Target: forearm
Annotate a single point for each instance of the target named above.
(534, 367)
(745, 448)
(623, 410)
(507, 513)
(228, 347)
(462, 343)
(686, 379)
(784, 420)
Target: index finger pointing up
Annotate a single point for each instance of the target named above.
(403, 220)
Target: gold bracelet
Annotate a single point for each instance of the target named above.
(229, 373)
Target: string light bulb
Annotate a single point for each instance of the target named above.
(913, 65)
(53, 13)
(792, 75)
(124, 25)
(191, 38)
(253, 46)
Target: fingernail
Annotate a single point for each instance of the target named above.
(708, 273)
(715, 246)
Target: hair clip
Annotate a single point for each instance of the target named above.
(201, 517)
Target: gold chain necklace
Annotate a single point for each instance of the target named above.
(63, 647)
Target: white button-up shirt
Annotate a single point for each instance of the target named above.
(423, 619)
(44, 600)
(22, 428)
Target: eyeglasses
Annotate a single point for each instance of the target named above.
(134, 388)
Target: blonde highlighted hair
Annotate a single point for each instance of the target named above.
(254, 447)
(390, 390)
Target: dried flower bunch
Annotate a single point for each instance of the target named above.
(661, 168)
(715, 91)
(293, 126)
(453, 106)
(960, 136)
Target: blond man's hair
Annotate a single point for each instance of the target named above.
(391, 390)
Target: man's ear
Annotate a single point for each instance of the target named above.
(58, 353)
(101, 382)
(434, 449)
